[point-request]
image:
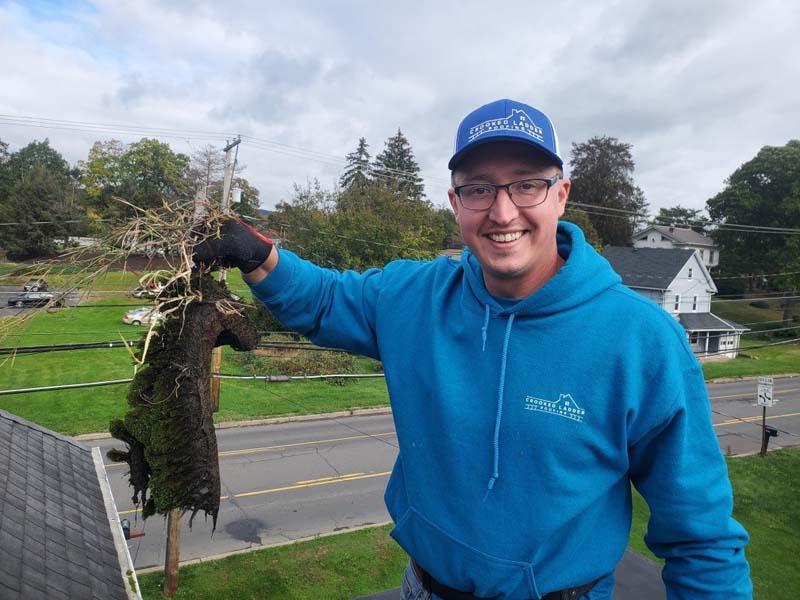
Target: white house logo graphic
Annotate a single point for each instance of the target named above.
(565, 407)
(518, 120)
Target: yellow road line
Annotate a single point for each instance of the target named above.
(244, 451)
(754, 418)
(750, 394)
(295, 486)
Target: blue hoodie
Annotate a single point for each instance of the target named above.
(522, 424)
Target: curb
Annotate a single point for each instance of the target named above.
(751, 378)
(316, 536)
(356, 412)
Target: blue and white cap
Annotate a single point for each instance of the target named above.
(506, 120)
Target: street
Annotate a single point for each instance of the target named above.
(295, 480)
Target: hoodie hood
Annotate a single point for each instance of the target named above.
(584, 275)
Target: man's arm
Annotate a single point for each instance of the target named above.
(333, 309)
(679, 469)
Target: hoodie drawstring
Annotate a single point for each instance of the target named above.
(485, 328)
(500, 392)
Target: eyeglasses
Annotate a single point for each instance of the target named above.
(524, 193)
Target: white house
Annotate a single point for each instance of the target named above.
(679, 282)
(664, 236)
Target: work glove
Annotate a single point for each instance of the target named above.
(237, 245)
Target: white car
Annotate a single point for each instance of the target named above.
(144, 315)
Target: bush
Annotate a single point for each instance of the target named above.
(297, 362)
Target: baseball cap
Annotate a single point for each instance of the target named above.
(506, 120)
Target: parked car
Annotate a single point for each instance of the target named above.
(147, 292)
(31, 299)
(144, 315)
(35, 285)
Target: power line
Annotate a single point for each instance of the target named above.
(335, 160)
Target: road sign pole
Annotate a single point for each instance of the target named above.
(764, 431)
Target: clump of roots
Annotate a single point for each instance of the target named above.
(169, 431)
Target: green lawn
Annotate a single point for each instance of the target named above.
(90, 409)
(342, 566)
(772, 360)
(744, 313)
(767, 502)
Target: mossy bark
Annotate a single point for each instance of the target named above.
(169, 430)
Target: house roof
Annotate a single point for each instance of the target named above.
(681, 235)
(652, 268)
(708, 322)
(55, 537)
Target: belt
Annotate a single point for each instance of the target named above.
(447, 593)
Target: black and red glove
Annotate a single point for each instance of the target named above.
(238, 245)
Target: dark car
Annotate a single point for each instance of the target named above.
(35, 285)
(30, 299)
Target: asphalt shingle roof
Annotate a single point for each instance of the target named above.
(684, 235)
(707, 322)
(653, 268)
(55, 538)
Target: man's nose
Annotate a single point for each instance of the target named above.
(503, 210)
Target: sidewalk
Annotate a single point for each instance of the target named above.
(637, 578)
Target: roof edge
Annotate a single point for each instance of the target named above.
(123, 555)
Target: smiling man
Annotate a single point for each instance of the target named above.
(529, 390)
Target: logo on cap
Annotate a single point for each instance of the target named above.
(518, 121)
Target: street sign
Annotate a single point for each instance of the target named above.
(765, 391)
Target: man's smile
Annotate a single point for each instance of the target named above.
(506, 237)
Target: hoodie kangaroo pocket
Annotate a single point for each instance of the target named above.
(461, 566)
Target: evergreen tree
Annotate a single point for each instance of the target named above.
(357, 170)
(396, 168)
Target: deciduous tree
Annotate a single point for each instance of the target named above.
(602, 175)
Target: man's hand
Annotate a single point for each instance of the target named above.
(238, 245)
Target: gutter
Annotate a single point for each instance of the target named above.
(127, 572)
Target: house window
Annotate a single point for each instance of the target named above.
(712, 257)
(690, 272)
(694, 303)
(702, 254)
(677, 302)
(693, 337)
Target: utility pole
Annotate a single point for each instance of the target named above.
(230, 163)
(173, 550)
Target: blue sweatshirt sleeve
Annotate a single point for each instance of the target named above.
(333, 309)
(680, 471)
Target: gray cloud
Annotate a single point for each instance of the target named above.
(697, 88)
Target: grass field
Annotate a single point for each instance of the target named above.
(90, 409)
(762, 361)
(767, 503)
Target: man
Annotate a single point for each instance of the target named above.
(529, 388)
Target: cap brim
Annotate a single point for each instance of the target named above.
(460, 155)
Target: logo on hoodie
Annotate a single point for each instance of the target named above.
(565, 407)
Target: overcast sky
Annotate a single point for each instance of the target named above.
(697, 87)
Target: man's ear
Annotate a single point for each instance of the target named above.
(563, 193)
(451, 195)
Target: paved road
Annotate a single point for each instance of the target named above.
(290, 481)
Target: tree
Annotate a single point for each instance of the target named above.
(145, 174)
(396, 168)
(249, 202)
(207, 167)
(40, 192)
(764, 191)
(602, 175)
(678, 216)
(357, 169)
(582, 220)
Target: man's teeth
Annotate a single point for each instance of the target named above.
(505, 237)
